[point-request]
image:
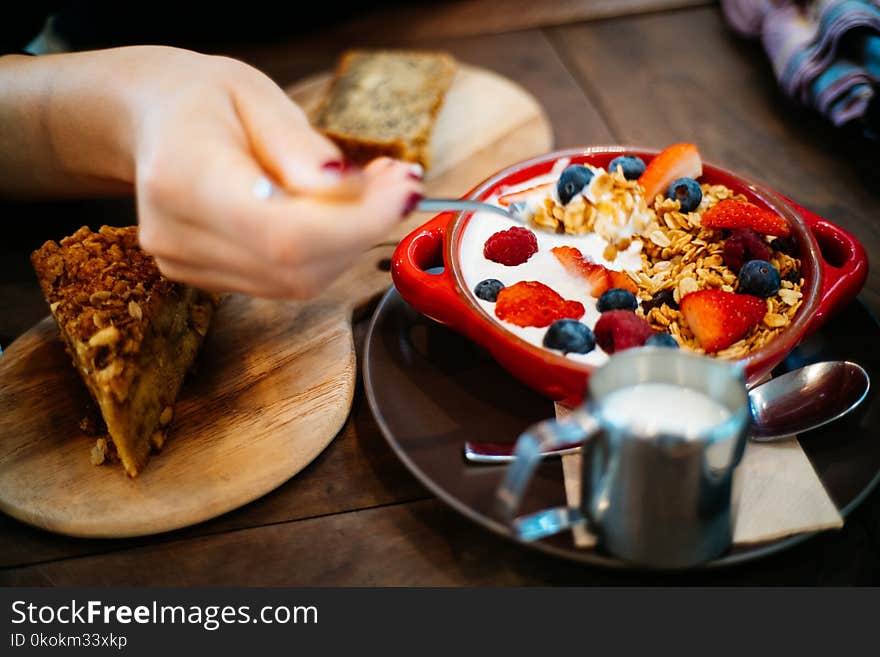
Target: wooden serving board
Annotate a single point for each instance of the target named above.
(275, 380)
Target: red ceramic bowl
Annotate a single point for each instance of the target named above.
(834, 268)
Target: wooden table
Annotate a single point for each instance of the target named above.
(648, 72)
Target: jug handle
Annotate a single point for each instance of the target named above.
(578, 427)
(591, 447)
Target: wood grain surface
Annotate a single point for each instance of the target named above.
(355, 515)
(273, 387)
(398, 545)
(275, 380)
(729, 105)
(413, 23)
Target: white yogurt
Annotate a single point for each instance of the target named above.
(656, 408)
(542, 266)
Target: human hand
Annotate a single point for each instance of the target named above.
(209, 134)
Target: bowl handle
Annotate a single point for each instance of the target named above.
(434, 295)
(844, 265)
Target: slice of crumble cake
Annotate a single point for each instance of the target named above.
(131, 332)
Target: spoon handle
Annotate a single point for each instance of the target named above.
(476, 451)
(443, 204)
(483, 452)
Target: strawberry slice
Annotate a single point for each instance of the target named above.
(515, 197)
(676, 161)
(718, 318)
(575, 262)
(600, 278)
(621, 280)
(733, 213)
(530, 303)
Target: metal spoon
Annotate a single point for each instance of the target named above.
(517, 211)
(806, 398)
(794, 403)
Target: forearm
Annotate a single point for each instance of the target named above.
(68, 123)
(198, 137)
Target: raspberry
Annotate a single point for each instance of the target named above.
(617, 330)
(743, 245)
(529, 303)
(511, 247)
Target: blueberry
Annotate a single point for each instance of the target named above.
(663, 297)
(786, 245)
(687, 192)
(572, 181)
(617, 299)
(758, 277)
(793, 276)
(488, 290)
(570, 336)
(661, 340)
(632, 166)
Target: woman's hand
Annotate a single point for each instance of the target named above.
(204, 152)
(235, 190)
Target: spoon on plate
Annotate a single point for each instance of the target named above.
(517, 211)
(796, 402)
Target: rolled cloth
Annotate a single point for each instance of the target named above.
(825, 53)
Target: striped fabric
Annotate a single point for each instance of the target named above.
(825, 53)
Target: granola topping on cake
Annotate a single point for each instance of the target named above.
(98, 285)
(132, 334)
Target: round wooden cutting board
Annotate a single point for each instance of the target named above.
(274, 382)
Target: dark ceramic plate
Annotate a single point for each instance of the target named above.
(431, 389)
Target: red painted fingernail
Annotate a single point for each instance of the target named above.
(411, 203)
(339, 166)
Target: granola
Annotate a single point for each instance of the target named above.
(611, 206)
(679, 256)
(636, 254)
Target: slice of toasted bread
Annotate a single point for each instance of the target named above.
(385, 102)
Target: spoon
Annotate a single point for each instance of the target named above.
(806, 398)
(516, 211)
(794, 403)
